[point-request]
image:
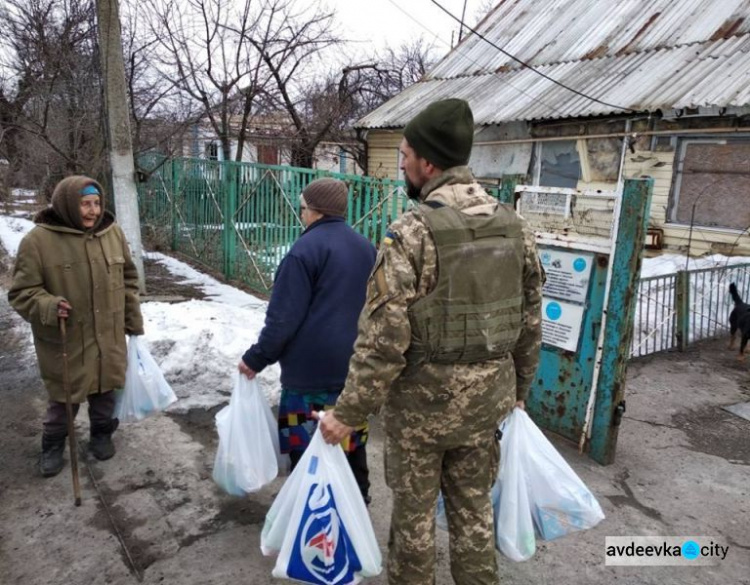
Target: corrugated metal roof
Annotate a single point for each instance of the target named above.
(644, 55)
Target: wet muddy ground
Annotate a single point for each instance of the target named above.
(153, 514)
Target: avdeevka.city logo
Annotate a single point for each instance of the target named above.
(664, 550)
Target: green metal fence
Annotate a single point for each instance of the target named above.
(242, 218)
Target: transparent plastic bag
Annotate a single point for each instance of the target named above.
(560, 502)
(319, 525)
(248, 454)
(514, 528)
(441, 520)
(537, 493)
(146, 392)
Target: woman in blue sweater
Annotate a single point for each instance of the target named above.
(311, 323)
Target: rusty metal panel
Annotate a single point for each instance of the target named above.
(623, 292)
(561, 390)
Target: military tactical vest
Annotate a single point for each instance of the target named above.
(475, 312)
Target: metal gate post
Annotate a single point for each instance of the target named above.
(682, 309)
(173, 211)
(230, 207)
(507, 192)
(626, 268)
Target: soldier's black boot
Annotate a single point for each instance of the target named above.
(51, 461)
(100, 442)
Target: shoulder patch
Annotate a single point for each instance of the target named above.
(389, 237)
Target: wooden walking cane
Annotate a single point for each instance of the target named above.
(69, 412)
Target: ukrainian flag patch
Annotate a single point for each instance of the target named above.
(389, 237)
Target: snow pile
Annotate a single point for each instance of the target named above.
(198, 344)
(673, 263)
(12, 231)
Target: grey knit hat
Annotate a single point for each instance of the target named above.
(326, 196)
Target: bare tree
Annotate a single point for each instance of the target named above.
(50, 99)
(159, 112)
(269, 58)
(290, 51)
(203, 54)
(363, 88)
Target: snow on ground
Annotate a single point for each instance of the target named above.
(23, 195)
(199, 343)
(12, 231)
(672, 263)
(215, 290)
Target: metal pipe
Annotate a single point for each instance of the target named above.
(634, 135)
(588, 420)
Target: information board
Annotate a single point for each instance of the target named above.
(561, 323)
(568, 274)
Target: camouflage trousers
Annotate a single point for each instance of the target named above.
(465, 475)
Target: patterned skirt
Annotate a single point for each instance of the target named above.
(296, 424)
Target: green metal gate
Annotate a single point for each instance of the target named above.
(241, 219)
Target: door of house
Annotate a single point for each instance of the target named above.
(268, 154)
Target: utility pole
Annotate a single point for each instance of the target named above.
(461, 28)
(118, 124)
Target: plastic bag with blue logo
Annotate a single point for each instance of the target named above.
(146, 392)
(514, 527)
(441, 520)
(248, 455)
(319, 525)
(560, 502)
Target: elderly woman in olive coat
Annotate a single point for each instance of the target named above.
(75, 265)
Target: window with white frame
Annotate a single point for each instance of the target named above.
(712, 184)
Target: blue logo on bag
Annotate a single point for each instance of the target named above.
(322, 553)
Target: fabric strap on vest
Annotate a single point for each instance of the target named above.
(475, 312)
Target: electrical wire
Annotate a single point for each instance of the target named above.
(457, 49)
(527, 65)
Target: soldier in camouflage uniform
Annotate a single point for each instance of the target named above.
(448, 342)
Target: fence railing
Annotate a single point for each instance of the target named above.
(242, 218)
(654, 322)
(677, 309)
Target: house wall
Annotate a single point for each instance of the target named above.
(382, 153)
(328, 157)
(592, 216)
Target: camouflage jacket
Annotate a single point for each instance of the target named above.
(432, 402)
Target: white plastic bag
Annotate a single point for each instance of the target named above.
(248, 453)
(537, 491)
(560, 502)
(146, 392)
(319, 525)
(514, 529)
(441, 520)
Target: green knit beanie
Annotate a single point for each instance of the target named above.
(443, 133)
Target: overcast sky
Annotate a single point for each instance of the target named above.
(376, 23)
